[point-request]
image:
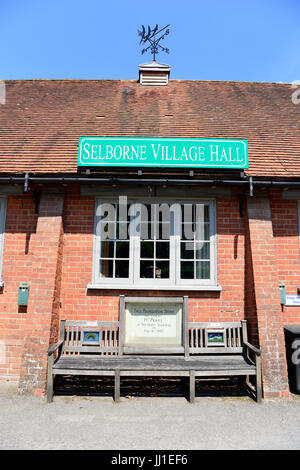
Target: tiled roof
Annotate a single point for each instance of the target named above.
(42, 120)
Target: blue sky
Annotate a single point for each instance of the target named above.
(248, 40)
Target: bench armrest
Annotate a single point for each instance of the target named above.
(253, 348)
(55, 347)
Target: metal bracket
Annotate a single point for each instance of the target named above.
(26, 180)
(251, 185)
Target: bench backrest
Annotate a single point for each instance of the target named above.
(82, 337)
(102, 337)
(217, 338)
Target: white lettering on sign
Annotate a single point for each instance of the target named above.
(159, 152)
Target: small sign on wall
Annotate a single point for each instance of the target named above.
(292, 300)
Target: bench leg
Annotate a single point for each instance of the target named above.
(192, 386)
(258, 380)
(50, 380)
(117, 386)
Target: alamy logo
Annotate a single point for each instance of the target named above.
(138, 219)
(296, 353)
(2, 92)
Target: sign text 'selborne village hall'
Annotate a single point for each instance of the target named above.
(167, 152)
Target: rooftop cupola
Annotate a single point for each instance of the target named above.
(154, 74)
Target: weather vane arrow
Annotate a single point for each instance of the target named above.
(153, 36)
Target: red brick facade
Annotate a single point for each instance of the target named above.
(42, 319)
(257, 245)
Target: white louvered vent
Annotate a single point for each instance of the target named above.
(154, 74)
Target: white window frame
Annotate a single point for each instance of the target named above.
(3, 208)
(172, 283)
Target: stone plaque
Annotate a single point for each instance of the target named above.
(153, 325)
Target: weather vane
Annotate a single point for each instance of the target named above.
(151, 36)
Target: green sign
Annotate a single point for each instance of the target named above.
(162, 152)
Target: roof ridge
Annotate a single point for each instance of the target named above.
(79, 80)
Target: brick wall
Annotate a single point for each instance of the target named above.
(286, 236)
(41, 323)
(17, 267)
(71, 271)
(267, 302)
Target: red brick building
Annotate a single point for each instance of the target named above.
(47, 209)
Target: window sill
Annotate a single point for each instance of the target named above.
(215, 288)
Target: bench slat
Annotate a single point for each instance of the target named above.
(90, 349)
(203, 363)
(216, 350)
(216, 324)
(92, 324)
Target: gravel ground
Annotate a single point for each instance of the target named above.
(147, 422)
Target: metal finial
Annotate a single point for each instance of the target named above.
(151, 36)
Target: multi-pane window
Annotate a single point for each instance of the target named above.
(195, 242)
(114, 245)
(154, 244)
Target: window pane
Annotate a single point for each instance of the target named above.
(122, 249)
(202, 270)
(187, 231)
(122, 215)
(146, 233)
(106, 268)
(162, 250)
(147, 250)
(107, 249)
(202, 250)
(187, 269)
(202, 231)
(108, 230)
(206, 213)
(146, 269)
(163, 231)
(162, 270)
(187, 250)
(122, 231)
(122, 269)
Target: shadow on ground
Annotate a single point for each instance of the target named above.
(146, 387)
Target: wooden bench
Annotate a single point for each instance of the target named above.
(208, 350)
